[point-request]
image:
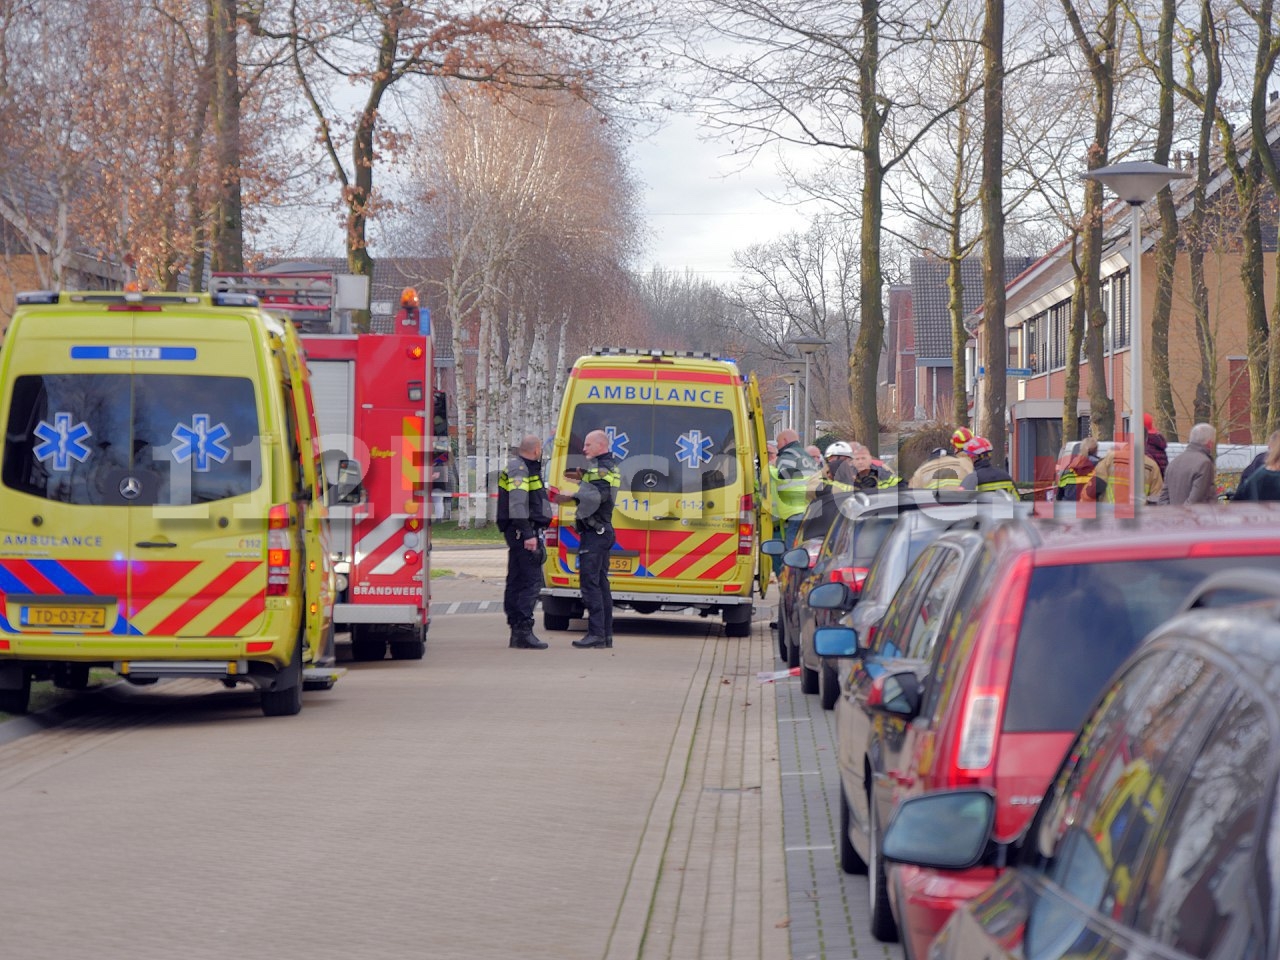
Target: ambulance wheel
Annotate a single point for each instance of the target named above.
(737, 621)
(286, 701)
(556, 613)
(71, 676)
(17, 700)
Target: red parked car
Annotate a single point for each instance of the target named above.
(987, 662)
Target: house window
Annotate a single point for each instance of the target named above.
(1035, 344)
(1120, 291)
(1058, 319)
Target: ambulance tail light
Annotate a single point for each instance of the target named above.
(553, 534)
(746, 525)
(278, 550)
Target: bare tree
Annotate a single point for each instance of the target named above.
(803, 284)
(371, 47)
(992, 193)
(810, 74)
(531, 201)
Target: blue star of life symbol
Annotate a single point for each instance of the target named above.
(617, 442)
(693, 449)
(200, 442)
(62, 442)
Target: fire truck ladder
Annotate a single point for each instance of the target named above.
(308, 299)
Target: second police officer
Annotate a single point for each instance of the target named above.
(524, 512)
(595, 496)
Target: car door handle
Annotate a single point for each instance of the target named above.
(155, 543)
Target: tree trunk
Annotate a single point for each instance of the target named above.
(865, 359)
(995, 339)
(1166, 251)
(1075, 342)
(228, 220)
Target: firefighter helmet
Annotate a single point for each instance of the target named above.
(838, 449)
(962, 436)
(978, 447)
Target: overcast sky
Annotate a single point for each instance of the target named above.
(699, 208)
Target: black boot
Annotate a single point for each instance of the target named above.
(527, 639)
(590, 642)
(517, 638)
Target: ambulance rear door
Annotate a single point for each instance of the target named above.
(198, 483)
(763, 480)
(65, 536)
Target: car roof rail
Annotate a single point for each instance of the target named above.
(1240, 584)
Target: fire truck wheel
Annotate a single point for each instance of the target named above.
(365, 646)
(410, 648)
(285, 701)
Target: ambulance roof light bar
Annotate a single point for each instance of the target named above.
(36, 297)
(656, 353)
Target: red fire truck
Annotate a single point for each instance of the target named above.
(374, 405)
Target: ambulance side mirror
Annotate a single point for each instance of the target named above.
(347, 488)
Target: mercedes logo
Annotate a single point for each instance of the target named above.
(650, 480)
(130, 487)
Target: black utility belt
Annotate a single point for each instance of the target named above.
(599, 529)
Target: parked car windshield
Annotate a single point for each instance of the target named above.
(1082, 620)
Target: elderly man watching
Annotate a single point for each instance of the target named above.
(1192, 475)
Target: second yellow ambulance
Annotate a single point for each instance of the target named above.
(689, 435)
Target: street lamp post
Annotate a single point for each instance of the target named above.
(798, 368)
(1135, 182)
(790, 379)
(808, 346)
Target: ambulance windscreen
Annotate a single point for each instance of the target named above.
(117, 439)
(662, 448)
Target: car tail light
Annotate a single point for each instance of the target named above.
(989, 676)
(853, 576)
(746, 525)
(813, 548)
(553, 534)
(279, 550)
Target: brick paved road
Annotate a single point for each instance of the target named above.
(484, 803)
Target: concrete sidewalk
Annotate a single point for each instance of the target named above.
(709, 876)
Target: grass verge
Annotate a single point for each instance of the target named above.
(447, 531)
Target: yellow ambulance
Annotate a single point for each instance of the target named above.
(162, 502)
(688, 432)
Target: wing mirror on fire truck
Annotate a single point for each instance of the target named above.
(347, 488)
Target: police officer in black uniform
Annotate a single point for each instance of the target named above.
(524, 511)
(597, 490)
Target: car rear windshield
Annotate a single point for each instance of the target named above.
(662, 448)
(132, 440)
(1081, 621)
